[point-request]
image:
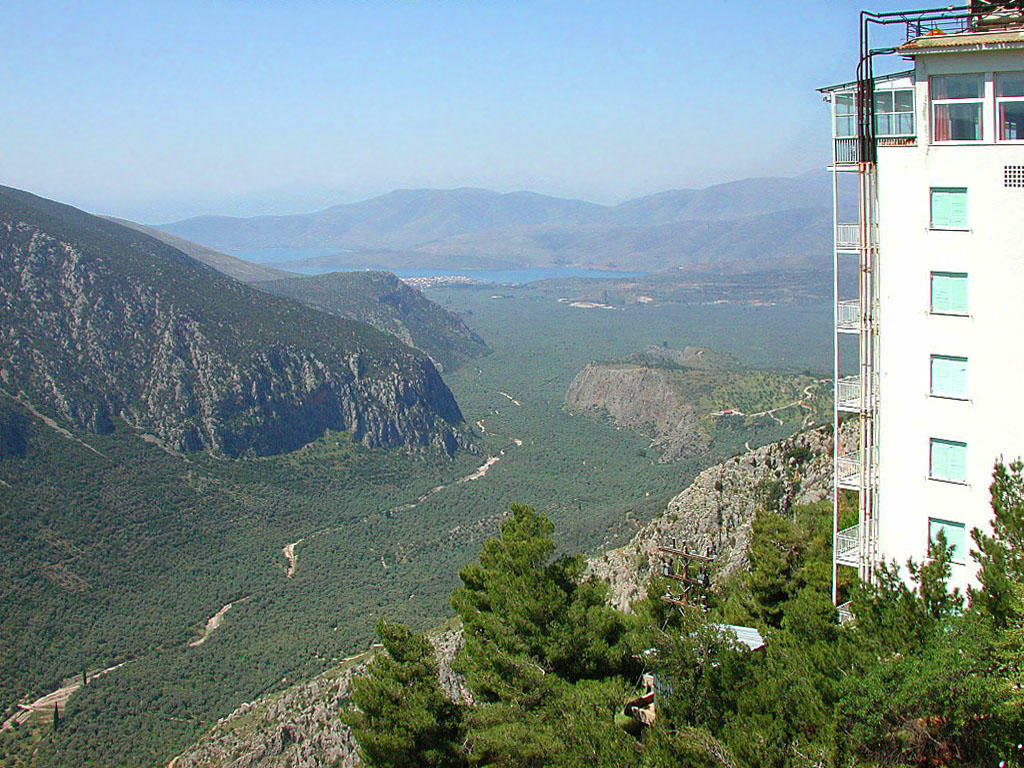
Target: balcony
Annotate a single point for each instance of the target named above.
(848, 316)
(845, 614)
(848, 471)
(848, 394)
(848, 546)
(847, 237)
(846, 151)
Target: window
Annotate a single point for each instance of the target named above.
(949, 208)
(956, 107)
(949, 377)
(894, 113)
(948, 461)
(949, 293)
(1010, 105)
(956, 536)
(846, 115)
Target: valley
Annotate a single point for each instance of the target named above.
(373, 533)
(223, 575)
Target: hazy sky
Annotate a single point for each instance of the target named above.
(159, 110)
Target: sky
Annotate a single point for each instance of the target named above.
(157, 111)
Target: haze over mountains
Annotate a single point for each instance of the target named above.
(783, 221)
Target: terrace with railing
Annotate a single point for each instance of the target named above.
(848, 546)
(848, 394)
(847, 237)
(848, 316)
(848, 471)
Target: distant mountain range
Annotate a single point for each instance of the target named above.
(783, 221)
(106, 326)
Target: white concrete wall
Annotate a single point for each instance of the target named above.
(991, 421)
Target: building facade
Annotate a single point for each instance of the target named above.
(936, 250)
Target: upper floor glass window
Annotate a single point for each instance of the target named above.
(956, 107)
(846, 115)
(1010, 105)
(894, 112)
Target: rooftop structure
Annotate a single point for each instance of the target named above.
(936, 249)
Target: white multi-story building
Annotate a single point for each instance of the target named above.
(936, 249)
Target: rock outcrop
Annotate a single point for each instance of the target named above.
(388, 304)
(716, 511)
(643, 399)
(301, 727)
(102, 325)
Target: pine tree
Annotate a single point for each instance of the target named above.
(404, 717)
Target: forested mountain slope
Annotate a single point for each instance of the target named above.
(717, 509)
(386, 303)
(240, 269)
(104, 324)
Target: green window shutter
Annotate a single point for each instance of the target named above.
(949, 376)
(940, 460)
(956, 536)
(949, 208)
(948, 460)
(949, 292)
(958, 293)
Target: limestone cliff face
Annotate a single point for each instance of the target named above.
(388, 304)
(102, 324)
(640, 398)
(301, 727)
(716, 511)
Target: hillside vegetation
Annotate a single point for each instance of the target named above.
(388, 304)
(686, 400)
(105, 324)
(918, 679)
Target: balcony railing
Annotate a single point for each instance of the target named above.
(848, 546)
(848, 316)
(848, 471)
(845, 614)
(848, 393)
(847, 151)
(847, 237)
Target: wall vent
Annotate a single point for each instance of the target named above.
(1013, 175)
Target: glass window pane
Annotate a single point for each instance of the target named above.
(1011, 120)
(957, 122)
(883, 101)
(884, 124)
(904, 124)
(957, 87)
(1010, 84)
(955, 534)
(846, 126)
(846, 104)
(904, 101)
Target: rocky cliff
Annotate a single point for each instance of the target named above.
(716, 511)
(301, 726)
(103, 325)
(388, 304)
(643, 399)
